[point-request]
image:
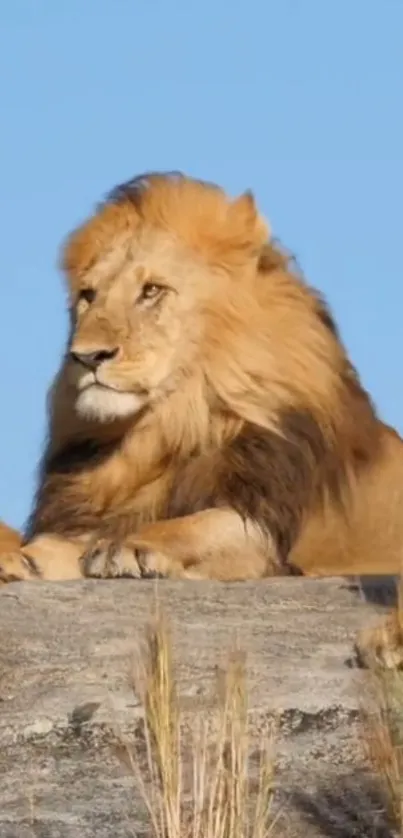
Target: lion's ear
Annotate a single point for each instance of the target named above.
(248, 223)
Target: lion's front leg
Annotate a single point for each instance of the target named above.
(213, 544)
(46, 557)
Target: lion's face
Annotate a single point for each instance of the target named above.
(137, 325)
(147, 275)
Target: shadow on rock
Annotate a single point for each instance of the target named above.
(378, 590)
(354, 807)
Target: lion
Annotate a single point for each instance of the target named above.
(10, 539)
(206, 421)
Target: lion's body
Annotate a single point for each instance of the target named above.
(368, 537)
(206, 420)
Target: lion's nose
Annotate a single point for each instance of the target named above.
(92, 360)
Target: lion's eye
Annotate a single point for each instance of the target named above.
(151, 291)
(87, 294)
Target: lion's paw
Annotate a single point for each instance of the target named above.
(382, 645)
(17, 567)
(111, 560)
(156, 564)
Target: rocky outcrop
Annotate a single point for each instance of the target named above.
(66, 698)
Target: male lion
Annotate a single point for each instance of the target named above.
(206, 421)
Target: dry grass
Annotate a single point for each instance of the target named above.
(383, 708)
(198, 785)
(383, 741)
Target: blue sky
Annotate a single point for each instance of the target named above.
(301, 100)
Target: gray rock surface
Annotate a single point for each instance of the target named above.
(66, 698)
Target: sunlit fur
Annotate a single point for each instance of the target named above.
(10, 539)
(233, 387)
(237, 328)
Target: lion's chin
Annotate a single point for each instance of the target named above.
(103, 404)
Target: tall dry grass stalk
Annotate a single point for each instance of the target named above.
(383, 708)
(198, 785)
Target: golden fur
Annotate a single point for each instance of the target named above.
(9, 538)
(206, 420)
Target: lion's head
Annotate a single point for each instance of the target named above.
(152, 277)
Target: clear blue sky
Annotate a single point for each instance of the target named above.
(301, 100)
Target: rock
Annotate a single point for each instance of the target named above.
(66, 698)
